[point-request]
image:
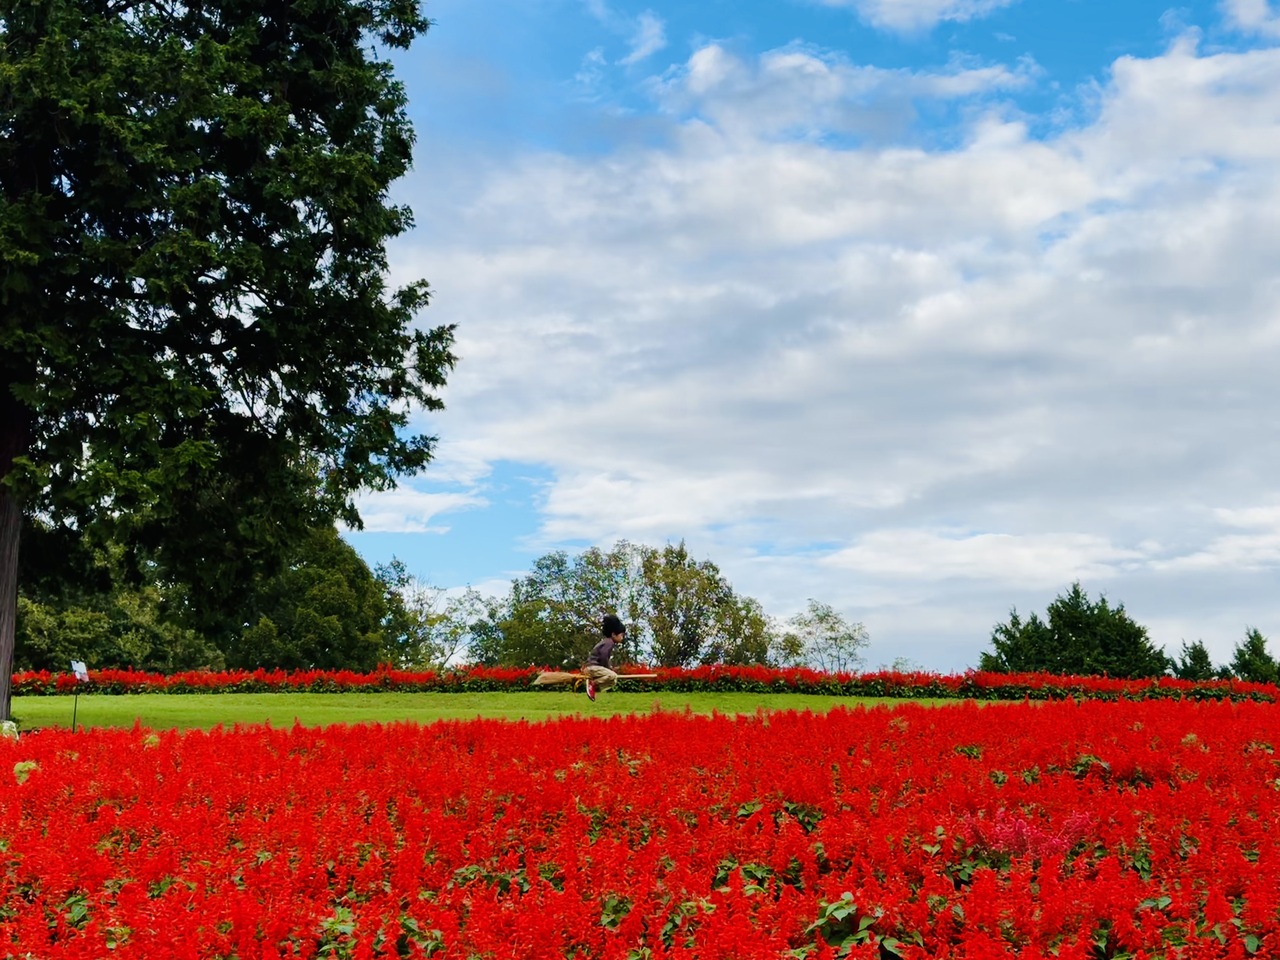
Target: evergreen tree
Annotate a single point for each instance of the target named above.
(200, 356)
(325, 611)
(1079, 637)
(1194, 663)
(1252, 661)
(1021, 647)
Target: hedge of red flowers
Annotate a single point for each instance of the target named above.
(970, 685)
(1072, 830)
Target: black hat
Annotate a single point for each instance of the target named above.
(612, 625)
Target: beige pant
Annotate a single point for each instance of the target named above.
(602, 677)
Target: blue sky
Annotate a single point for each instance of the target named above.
(923, 308)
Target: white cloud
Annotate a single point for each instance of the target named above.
(1044, 560)
(1257, 549)
(1267, 517)
(648, 37)
(912, 16)
(408, 510)
(1255, 16)
(799, 90)
(598, 9)
(645, 33)
(591, 72)
(815, 360)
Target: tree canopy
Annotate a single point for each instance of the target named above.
(1079, 637)
(1193, 662)
(551, 617)
(200, 355)
(326, 611)
(679, 611)
(823, 638)
(1251, 660)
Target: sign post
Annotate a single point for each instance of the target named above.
(82, 676)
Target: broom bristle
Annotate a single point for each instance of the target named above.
(553, 676)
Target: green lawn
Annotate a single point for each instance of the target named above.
(184, 711)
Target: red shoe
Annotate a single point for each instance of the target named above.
(591, 690)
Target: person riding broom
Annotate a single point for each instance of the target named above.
(599, 674)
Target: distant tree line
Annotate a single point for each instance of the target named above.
(679, 611)
(321, 607)
(326, 608)
(1083, 637)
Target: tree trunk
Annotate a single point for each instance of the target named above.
(10, 528)
(13, 440)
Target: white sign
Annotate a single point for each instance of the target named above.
(80, 670)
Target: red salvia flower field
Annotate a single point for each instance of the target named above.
(973, 684)
(1076, 830)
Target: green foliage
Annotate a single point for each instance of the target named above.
(1252, 661)
(825, 640)
(77, 604)
(843, 924)
(200, 354)
(49, 639)
(534, 631)
(427, 629)
(787, 649)
(744, 634)
(552, 616)
(1080, 638)
(1193, 663)
(325, 611)
(410, 613)
(486, 643)
(678, 611)
(129, 629)
(684, 603)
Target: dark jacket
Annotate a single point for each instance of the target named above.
(600, 653)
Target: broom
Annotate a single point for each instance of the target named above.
(550, 678)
